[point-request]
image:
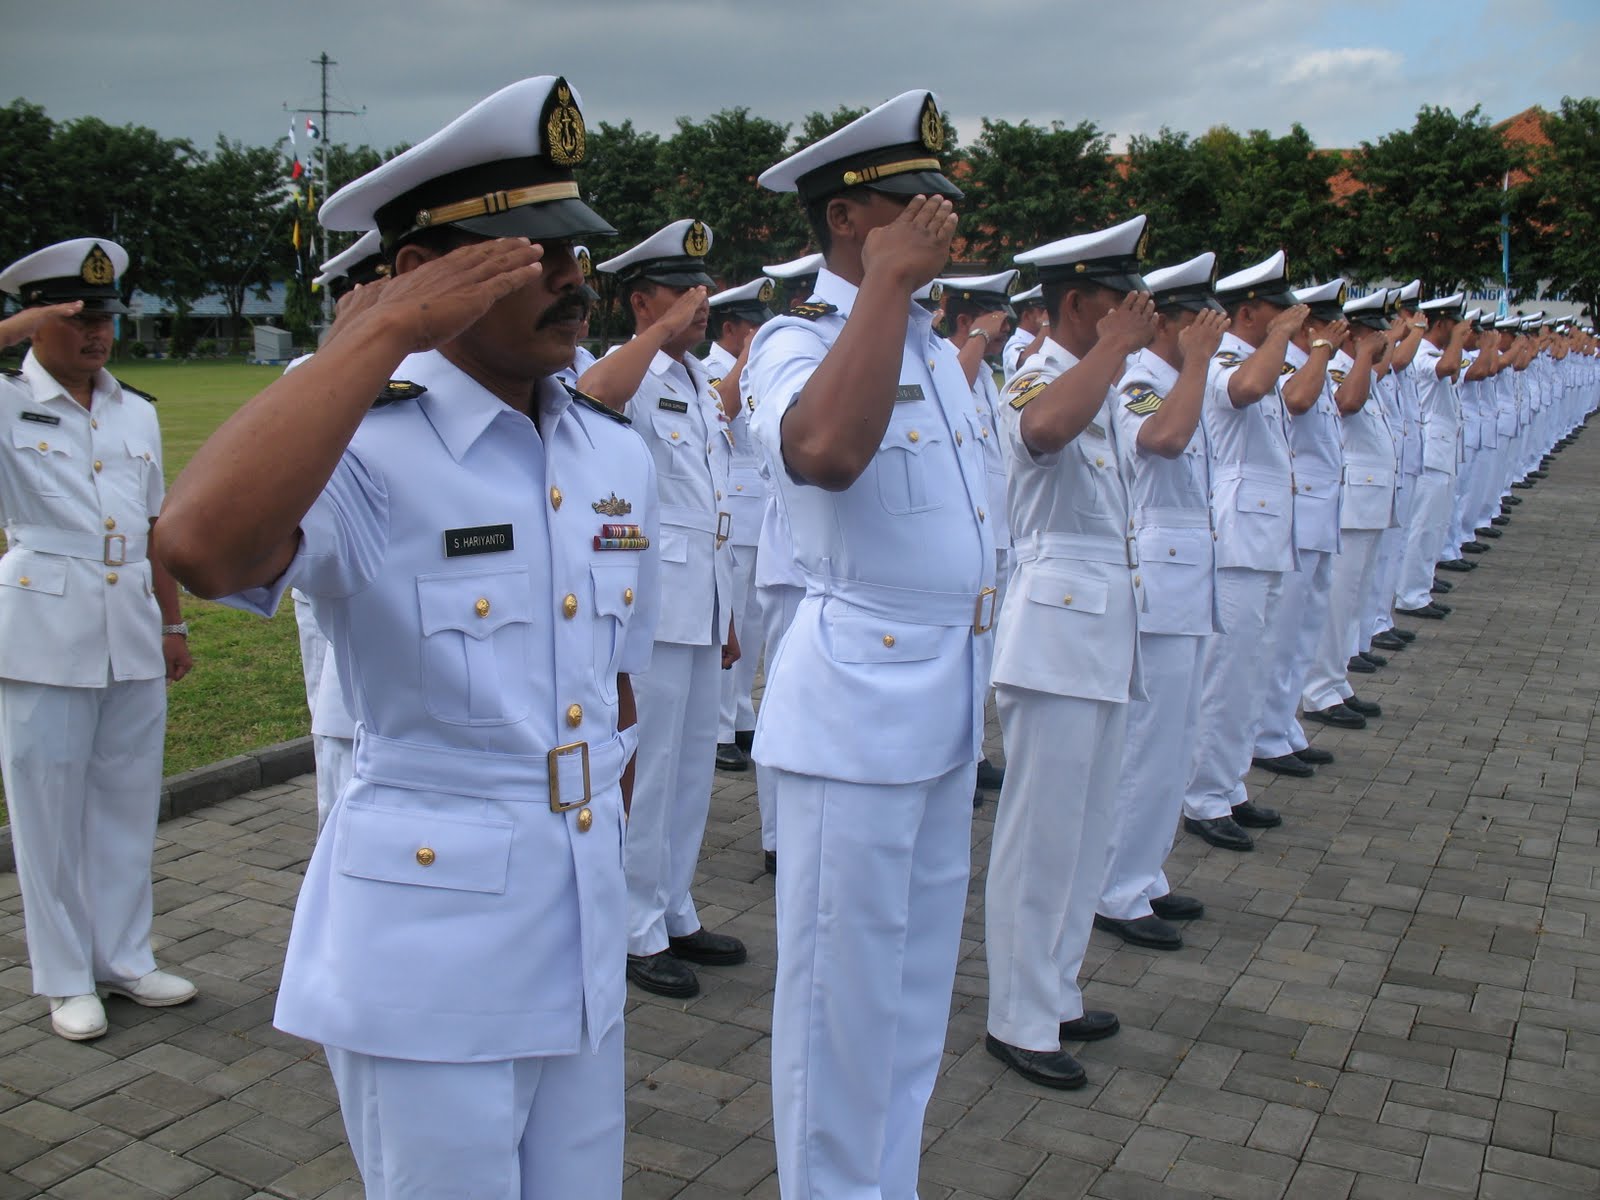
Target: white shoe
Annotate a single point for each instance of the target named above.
(77, 1018)
(155, 990)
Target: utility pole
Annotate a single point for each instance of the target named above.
(322, 140)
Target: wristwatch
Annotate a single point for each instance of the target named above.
(181, 629)
(1321, 342)
(975, 331)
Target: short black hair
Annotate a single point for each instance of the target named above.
(439, 240)
(636, 286)
(817, 213)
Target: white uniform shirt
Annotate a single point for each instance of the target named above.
(1369, 456)
(77, 493)
(448, 913)
(1440, 409)
(984, 424)
(1070, 625)
(679, 416)
(745, 499)
(1315, 446)
(1011, 352)
(1171, 507)
(881, 677)
(1252, 484)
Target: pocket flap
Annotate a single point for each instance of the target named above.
(1320, 489)
(41, 439)
(671, 426)
(139, 448)
(27, 572)
(463, 854)
(1074, 592)
(1262, 498)
(859, 639)
(476, 603)
(674, 544)
(613, 588)
(913, 435)
(1167, 547)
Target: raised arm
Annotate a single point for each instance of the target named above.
(1167, 431)
(1258, 374)
(615, 378)
(1064, 409)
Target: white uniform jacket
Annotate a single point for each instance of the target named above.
(1252, 485)
(745, 497)
(882, 676)
(1440, 408)
(1410, 423)
(465, 901)
(1369, 456)
(1071, 620)
(1171, 508)
(1315, 446)
(77, 492)
(680, 418)
(984, 424)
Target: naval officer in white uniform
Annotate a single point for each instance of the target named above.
(1033, 326)
(90, 635)
(668, 395)
(481, 546)
(1066, 660)
(872, 718)
(797, 278)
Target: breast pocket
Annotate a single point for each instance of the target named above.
(902, 470)
(476, 646)
(1094, 498)
(43, 457)
(1262, 500)
(680, 442)
(613, 606)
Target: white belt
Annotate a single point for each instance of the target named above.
(564, 778)
(911, 605)
(1087, 547)
(1231, 471)
(1174, 518)
(111, 549)
(683, 517)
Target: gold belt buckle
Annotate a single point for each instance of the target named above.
(724, 529)
(122, 550)
(979, 623)
(553, 759)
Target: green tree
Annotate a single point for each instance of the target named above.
(1567, 186)
(1179, 184)
(26, 222)
(1027, 184)
(1430, 202)
(242, 243)
(1274, 195)
(815, 126)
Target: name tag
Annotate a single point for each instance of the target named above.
(40, 418)
(907, 392)
(481, 539)
(677, 406)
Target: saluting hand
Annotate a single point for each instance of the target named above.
(1337, 332)
(434, 303)
(683, 313)
(19, 326)
(914, 247)
(1459, 333)
(1131, 325)
(1288, 322)
(1201, 337)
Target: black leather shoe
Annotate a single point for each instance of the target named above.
(1521, 485)
(1474, 547)
(1455, 564)
(745, 739)
(990, 777)
(1338, 716)
(707, 948)
(731, 758)
(1444, 609)
(1151, 932)
(1365, 708)
(1388, 641)
(1174, 907)
(1405, 635)
(1096, 1023)
(1488, 531)
(663, 974)
(1285, 764)
(1428, 612)
(1360, 666)
(1539, 474)
(1441, 587)
(1502, 519)
(1052, 1068)
(1222, 832)
(1511, 501)
(1315, 755)
(1376, 660)
(769, 859)
(1251, 815)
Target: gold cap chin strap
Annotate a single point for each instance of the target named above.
(871, 174)
(496, 202)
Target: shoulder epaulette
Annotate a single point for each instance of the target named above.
(128, 387)
(396, 390)
(10, 372)
(1024, 388)
(590, 402)
(1288, 368)
(1336, 374)
(1142, 399)
(812, 310)
(1228, 358)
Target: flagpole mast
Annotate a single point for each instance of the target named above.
(321, 139)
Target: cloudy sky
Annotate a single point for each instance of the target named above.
(1348, 72)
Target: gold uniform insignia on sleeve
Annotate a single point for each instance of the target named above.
(695, 241)
(812, 310)
(1142, 399)
(1228, 358)
(1024, 388)
(1335, 374)
(97, 269)
(564, 137)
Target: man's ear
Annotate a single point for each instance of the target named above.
(841, 218)
(411, 256)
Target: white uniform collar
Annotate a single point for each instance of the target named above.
(46, 387)
(459, 408)
(1052, 349)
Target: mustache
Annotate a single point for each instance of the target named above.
(568, 308)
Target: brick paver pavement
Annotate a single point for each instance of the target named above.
(1396, 995)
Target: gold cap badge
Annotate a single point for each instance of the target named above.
(564, 137)
(936, 292)
(1142, 251)
(1344, 291)
(97, 269)
(931, 125)
(767, 292)
(696, 241)
(585, 263)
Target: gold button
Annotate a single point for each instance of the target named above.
(111, 522)
(97, 465)
(147, 457)
(719, 495)
(986, 431)
(425, 857)
(93, 424)
(980, 514)
(1306, 487)
(1067, 599)
(111, 576)
(24, 581)
(958, 437)
(930, 364)
(569, 606)
(585, 820)
(888, 639)
(1261, 503)
(574, 715)
(738, 487)
(44, 445)
(1369, 478)
(1099, 462)
(481, 607)
(627, 595)
(914, 436)
(674, 435)
(555, 498)
(1172, 551)
(1137, 581)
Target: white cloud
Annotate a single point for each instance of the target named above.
(1365, 64)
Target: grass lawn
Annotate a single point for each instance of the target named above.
(245, 690)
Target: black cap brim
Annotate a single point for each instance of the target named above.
(917, 183)
(743, 311)
(1373, 321)
(1327, 312)
(1189, 303)
(679, 279)
(552, 221)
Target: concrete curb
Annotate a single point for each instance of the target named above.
(183, 794)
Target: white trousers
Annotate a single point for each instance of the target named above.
(336, 762)
(1326, 682)
(1294, 627)
(1233, 682)
(1052, 832)
(779, 603)
(1430, 510)
(1155, 767)
(513, 1129)
(82, 769)
(673, 773)
(1391, 556)
(737, 713)
(872, 888)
